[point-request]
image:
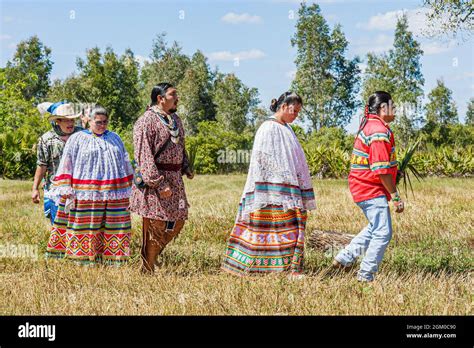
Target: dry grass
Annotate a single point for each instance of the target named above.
(427, 268)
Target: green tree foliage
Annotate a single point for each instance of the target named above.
(31, 64)
(399, 73)
(111, 81)
(221, 150)
(195, 91)
(233, 101)
(167, 64)
(470, 113)
(441, 108)
(20, 127)
(450, 17)
(326, 80)
(441, 113)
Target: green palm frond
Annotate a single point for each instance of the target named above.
(191, 153)
(405, 168)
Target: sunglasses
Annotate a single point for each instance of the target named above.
(101, 123)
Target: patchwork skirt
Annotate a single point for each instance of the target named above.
(92, 232)
(272, 241)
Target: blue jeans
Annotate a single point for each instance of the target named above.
(50, 209)
(372, 240)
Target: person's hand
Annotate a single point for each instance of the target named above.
(35, 196)
(399, 206)
(189, 175)
(166, 192)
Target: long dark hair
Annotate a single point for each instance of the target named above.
(159, 90)
(373, 106)
(289, 98)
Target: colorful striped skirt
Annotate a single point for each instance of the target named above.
(272, 241)
(92, 232)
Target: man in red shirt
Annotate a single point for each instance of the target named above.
(372, 182)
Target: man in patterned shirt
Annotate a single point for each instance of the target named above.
(372, 182)
(49, 150)
(158, 140)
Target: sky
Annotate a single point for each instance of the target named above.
(248, 38)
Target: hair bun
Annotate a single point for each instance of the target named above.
(273, 105)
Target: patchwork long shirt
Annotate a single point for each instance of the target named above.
(373, 155)
(49, 151)
(150, 137)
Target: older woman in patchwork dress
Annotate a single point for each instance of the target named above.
(268, 235)
(93, 184)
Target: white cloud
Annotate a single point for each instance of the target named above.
(430, 48)
(417, 23)
(242, 55)
(362, 67)
(5, 37)
(235, 18)
(142, 59)
(291, 74)
(462, 76)
(381, 43)
(388, 20)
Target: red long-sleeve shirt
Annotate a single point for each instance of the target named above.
(373, 154)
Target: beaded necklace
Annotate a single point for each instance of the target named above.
(170, 123)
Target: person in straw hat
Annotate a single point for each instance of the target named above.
(49, 150)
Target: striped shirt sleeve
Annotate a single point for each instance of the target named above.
(379, 153)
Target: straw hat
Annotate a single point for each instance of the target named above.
(64, 111)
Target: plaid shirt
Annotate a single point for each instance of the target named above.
(373, 154)
(49, 151)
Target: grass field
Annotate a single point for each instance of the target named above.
(427, 268)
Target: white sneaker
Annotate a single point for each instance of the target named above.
(364, 280)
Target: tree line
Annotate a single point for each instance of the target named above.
(213, 103)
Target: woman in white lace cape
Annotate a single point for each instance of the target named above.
(269, 229)
(93, 182)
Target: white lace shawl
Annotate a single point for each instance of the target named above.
(278, 172)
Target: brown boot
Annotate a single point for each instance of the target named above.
(156, 235)
(153, 231)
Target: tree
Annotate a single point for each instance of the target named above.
(326, 80)
(233, 102)
(195, 90)
(449, 17)
(32, 64)
(20, 127)
(71, 89)
(378, 75)
(112, 82)
(409, 81)
(399, 73)
(441, 115)
(168, 64)
(470, 113)
(441, 108)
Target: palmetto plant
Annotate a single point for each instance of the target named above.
(191, 152)
(405, 167)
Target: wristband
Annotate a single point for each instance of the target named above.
(395, 196)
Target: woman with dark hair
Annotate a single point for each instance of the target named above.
(93, 184)
(372, 182)
(268, 235)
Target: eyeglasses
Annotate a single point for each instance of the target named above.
(101, 123)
